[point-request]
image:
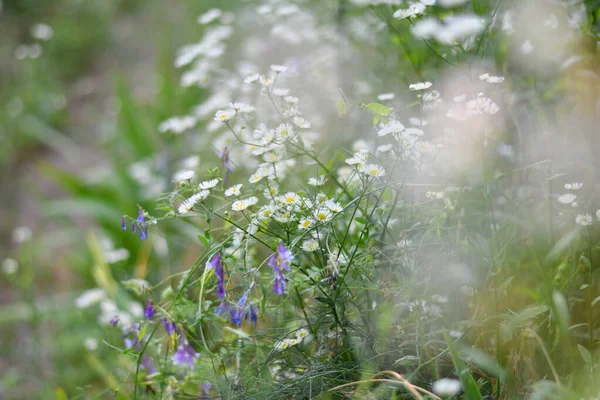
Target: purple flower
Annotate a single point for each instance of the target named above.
(114, 320)
(133, 227)
(226, 164)
(215, 262)
(279, 261)
(140, 217)
(148, 365)
(252, 313)
(237, 313)
(123, 223)
(130, 342)
(170, 326)
(141, 223)
(185, 354)
(222, 309)
(150, 310)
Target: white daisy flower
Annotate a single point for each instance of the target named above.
(305, 223)
(265, 81)
(373, 170)
(583, 219)
(420, 86)
(301, 122)
(411, 11)
(284, 132)
(334, 206)
(495, 79)
(208, 184)
(384, 148)
(310, 245)
(289, 198)
(573, 186)
(567, 198)
(252, 78)
(391, 127)
(189, 203)
(302, 334)
(323, 215)
(183, 175)
(233, 190)
(267, 211)
(241, 205)
(291, 99)
(278, 68)
(224, 115)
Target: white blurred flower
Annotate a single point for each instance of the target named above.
(527, 47)
(412, 11)
(90, 297)
(177, 124)
(452, 3)
(10, 266)
(318, 181)
(446, 387)
(567, 198)
(420, 86)
(21, 234)
(584, 219)
(189, 203)
(457, 28)
(183, 175)
(425, 28)
(278, 68)
(42, 32)
(91, 344)
(573, 186)
(386, 96)
(209, 16)
(372, 170)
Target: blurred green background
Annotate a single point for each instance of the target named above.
(83, 86)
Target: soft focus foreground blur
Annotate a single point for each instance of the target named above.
(443, 224)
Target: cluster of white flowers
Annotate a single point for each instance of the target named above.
(302, 335)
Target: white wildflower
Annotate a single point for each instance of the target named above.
(318, 181)
(90, 297)
(278, 68)
(208, 184)
(42, 32)
(310, 245)
(224, 115)
(183, 175)
(209, 16)
(177, 124)
(420, 86)
(412, 11)
(10, 266)
(301, 122)
(567, 198)
(372, 170)
(233, 190)
(573, 186)
(583, 219)
(241, 205)
(386, 96)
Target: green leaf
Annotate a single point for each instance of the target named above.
(325, 300)
(484, 361)
(341, 108)
(586, 355)
(466, 379)
(596, 300)
(561, 311)
(377, 109)
(60, 394)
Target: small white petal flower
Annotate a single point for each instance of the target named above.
(567, 198)
(291, 99)
(208, 184)
(252, 78)
(373, 170)
(289, 198)
(301, 122)
(573, 186)
(495, 79)
(310, 245)
(224, 115)
(280, 92)
(184, 175)
(323, 215)
(334, 206)
(391, 127)
(233, 190)
(209, 16)
(305, 223)
(583, 219)
(302, 334)
(420, 86)
(241, 205)
(412, 11)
